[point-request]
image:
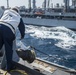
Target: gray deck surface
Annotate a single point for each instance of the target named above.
(28, 69)
(14, 72)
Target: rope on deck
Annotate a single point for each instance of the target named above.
(19, 71)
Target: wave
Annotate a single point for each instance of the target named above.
(57, 42)
(65, 38)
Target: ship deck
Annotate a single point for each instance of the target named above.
(14, 72)
(17, 71)
(38, 67)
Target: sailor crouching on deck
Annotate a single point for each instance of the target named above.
(8, 25)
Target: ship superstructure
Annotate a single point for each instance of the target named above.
(49, 16)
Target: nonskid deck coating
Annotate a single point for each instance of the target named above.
(14, 72)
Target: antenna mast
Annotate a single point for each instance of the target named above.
(7, 3)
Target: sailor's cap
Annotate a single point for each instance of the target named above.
(16, 9)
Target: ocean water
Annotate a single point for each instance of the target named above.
(53, 44)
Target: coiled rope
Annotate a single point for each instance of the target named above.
(19, 71)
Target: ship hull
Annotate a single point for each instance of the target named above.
(71, 24)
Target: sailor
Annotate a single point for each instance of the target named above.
(8, 25)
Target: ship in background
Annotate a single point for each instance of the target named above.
(59, 16)
(64, 15)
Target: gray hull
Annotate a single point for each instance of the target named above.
(50, 22)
